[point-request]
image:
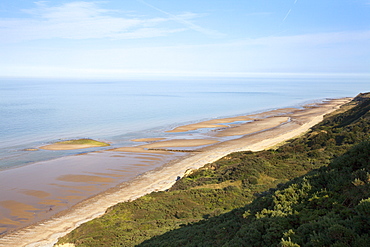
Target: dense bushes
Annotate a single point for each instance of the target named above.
(326, 207)
(245, 199)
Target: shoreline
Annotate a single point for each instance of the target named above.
(46, 233)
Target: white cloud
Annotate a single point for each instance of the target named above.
(184, 20)
(308, 40)
(338, 52)
(86, 20)
(73, 10)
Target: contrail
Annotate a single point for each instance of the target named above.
(182, 21)
(286, 16)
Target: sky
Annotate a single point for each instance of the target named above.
(138, 38)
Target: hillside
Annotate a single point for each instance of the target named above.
(246, 199)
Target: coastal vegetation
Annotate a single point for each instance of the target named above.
(312, 191)
(84, 142)
(75, 144)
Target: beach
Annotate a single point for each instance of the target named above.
(153, 164)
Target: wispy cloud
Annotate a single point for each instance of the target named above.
(87, 20)
(305, 41)
(258, 13)
(184, 20)
(336, 52)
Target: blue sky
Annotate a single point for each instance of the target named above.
(125, 38)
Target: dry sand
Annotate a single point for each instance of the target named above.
(47, 232)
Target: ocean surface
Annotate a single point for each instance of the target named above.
(36, 112)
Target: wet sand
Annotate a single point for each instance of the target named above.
(84, 176)
(254, 126)
(44, 189)
(162, 146)
(147, 139)
(66, 146)
(223, 122)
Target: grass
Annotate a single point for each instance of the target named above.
(84, 141)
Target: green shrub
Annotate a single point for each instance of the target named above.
(313, 191)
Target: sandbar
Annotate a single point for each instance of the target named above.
(162, 178)
(84, 178)
(36, 193)
(214, 123)
(140, 149)
(18, 209)
(180, 143)
(74, 144)
(222, 122)
(253, 127)
(156, 147)
(148, 139)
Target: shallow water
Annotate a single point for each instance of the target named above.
(39, 112)
(40, 190)
(36, 112)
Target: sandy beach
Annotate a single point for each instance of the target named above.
(163, 160)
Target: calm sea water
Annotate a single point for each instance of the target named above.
(36, 112)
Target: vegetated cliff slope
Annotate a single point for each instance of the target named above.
(246, 199)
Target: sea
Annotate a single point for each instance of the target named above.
(36, 112)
